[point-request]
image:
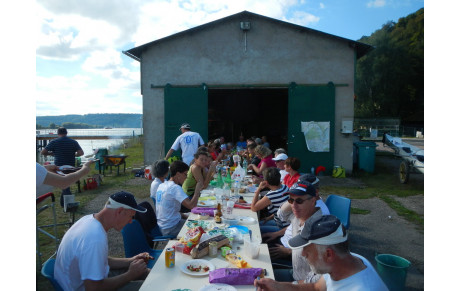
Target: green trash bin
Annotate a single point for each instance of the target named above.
(366, 155)
(393, 270)
(100, 152)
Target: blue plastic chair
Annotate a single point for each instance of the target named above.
(48, 273)
(135, 242)
(340, 206)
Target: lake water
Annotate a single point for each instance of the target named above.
(89, 145)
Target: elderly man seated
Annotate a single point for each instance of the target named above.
(82, 261)
(324, 243)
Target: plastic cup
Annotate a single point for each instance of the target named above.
(252, 247)
(229, 206)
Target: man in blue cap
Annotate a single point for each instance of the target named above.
(188, 142)
(324, 243)
(82, 261)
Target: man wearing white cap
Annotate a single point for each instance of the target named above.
(188, 142)
(82, 261)
(280, 162)
(324, 243)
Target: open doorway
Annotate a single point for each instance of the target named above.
(251, 112)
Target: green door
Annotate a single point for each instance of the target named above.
(185, 105)
(310, 103)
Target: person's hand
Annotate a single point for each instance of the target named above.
(51, 168)
(266, 284)
(269, 236)
(263, 185)
(250, 166)
(279, 251)
(141, 256)
(137, 268)
(267, 218)
(213, 166)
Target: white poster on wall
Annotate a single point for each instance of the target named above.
(317, 135)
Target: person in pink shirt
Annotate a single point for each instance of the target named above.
(265, 155)
(291, 165)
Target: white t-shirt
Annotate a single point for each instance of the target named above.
(367, 279)
(153, 188)
(283, 174)
(188, 142)
(169, 199)
(82, 254)
(40, 175)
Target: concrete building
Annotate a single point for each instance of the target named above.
(255, 75)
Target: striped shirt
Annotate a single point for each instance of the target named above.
(277, 199)
(64, 149)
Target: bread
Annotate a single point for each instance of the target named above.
(202, 249)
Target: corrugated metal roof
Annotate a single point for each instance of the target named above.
(136, 52)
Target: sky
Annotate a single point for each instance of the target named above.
(80, 67)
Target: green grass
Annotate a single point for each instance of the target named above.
(359, 211)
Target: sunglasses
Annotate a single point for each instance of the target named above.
(298, 200)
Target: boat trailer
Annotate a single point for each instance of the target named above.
(412, 157)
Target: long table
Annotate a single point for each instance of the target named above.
(166, 279)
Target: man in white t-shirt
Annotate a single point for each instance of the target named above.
(188, 142)
(324, 243)
(169, 198)
(82, 261)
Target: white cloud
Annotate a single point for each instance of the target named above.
(321, 5)
(95, 32)
(75, 95)
(376, 3)
(303, 18)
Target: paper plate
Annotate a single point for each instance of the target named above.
(196, 263)
(218, 287)
(246, 220)
(207, 203)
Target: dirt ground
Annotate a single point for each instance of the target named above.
(380, 231)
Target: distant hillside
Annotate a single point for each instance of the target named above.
(123, 120)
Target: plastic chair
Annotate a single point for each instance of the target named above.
(340, 206)
(48, 273)
(135, 242)
(148, 221)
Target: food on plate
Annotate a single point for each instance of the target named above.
(198, 269)
(242, 190)
(202, 249)
(201, 203)
(241, 200)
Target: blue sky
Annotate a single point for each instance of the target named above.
(78, 57)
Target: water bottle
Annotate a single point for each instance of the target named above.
(312, 170)
(245, 165)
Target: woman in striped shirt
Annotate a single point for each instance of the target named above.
(272, 200)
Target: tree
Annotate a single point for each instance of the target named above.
(389, 79)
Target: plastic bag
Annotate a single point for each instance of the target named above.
(191, 238)
(234, 276)
(239, 173)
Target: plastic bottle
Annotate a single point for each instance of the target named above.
(312, 170)
(245, 165)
